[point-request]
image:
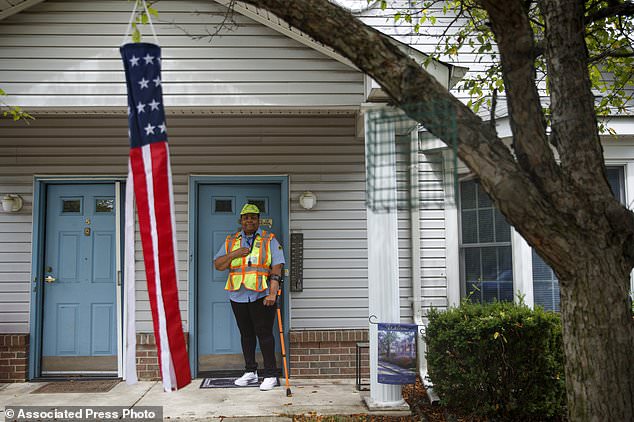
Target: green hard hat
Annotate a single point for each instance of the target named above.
(250, 209)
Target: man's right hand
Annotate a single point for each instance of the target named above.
(239, 253)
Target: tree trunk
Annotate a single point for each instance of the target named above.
(564, 210)
(597, 331)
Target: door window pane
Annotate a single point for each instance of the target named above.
(71, 205)
(223, 205)
(104, 205)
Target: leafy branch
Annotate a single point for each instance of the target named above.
(13, 112)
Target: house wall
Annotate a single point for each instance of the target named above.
(319, 152)
(66, 54)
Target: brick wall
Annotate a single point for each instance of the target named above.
(147, 365)
(14, 357)
(327, 353)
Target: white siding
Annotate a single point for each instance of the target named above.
(319, 153)
(65, 54)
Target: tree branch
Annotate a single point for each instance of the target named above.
(574, 124)
(622, 9)
(527, 120)
(621, 53)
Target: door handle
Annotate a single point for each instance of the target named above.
(49, 279)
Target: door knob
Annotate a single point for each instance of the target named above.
(49, 279)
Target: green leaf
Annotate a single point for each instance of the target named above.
(136, 35)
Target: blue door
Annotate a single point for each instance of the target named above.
(219, 208)
(79, 334)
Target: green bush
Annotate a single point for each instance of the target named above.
(500, 360)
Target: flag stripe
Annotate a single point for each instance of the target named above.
(168, 276)
(154, 193)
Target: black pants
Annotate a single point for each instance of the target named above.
(256, 320)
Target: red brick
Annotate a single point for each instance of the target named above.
(319, 364)
(328, 357)
(340, 364)
(310, 358)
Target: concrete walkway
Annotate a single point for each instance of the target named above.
(320, 397)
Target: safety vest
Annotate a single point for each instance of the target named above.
(251, 270)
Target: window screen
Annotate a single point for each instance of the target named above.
(485, 247)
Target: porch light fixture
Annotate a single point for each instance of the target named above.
(307, 200)
(12, 202)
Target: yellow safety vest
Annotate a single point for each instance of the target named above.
(255, 275)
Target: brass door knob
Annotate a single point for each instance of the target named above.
(49, 279)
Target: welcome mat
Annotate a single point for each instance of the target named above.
(77, 386)
(223, 382)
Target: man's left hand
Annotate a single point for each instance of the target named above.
(270, 300)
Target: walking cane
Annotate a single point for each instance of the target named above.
(279, 324)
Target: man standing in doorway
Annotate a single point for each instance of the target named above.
(254, 259)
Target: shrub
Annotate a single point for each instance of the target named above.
(500, 360)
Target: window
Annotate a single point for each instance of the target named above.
(71, 205)
(223, 205)
(485, 247)
(545, 283)
(104, 205)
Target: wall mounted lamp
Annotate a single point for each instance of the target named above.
(307, 200)
(12, 202)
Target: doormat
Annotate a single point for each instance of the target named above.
(223, 383)
(77, 386)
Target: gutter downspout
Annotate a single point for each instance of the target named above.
(416, 271)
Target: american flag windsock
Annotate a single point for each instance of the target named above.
(149, 168)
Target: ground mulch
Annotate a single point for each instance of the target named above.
(416, 397)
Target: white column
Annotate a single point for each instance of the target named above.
(383, 280)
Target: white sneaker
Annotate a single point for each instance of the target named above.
(247, 379)
(268, 384)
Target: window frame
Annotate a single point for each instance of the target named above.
(462, 247)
